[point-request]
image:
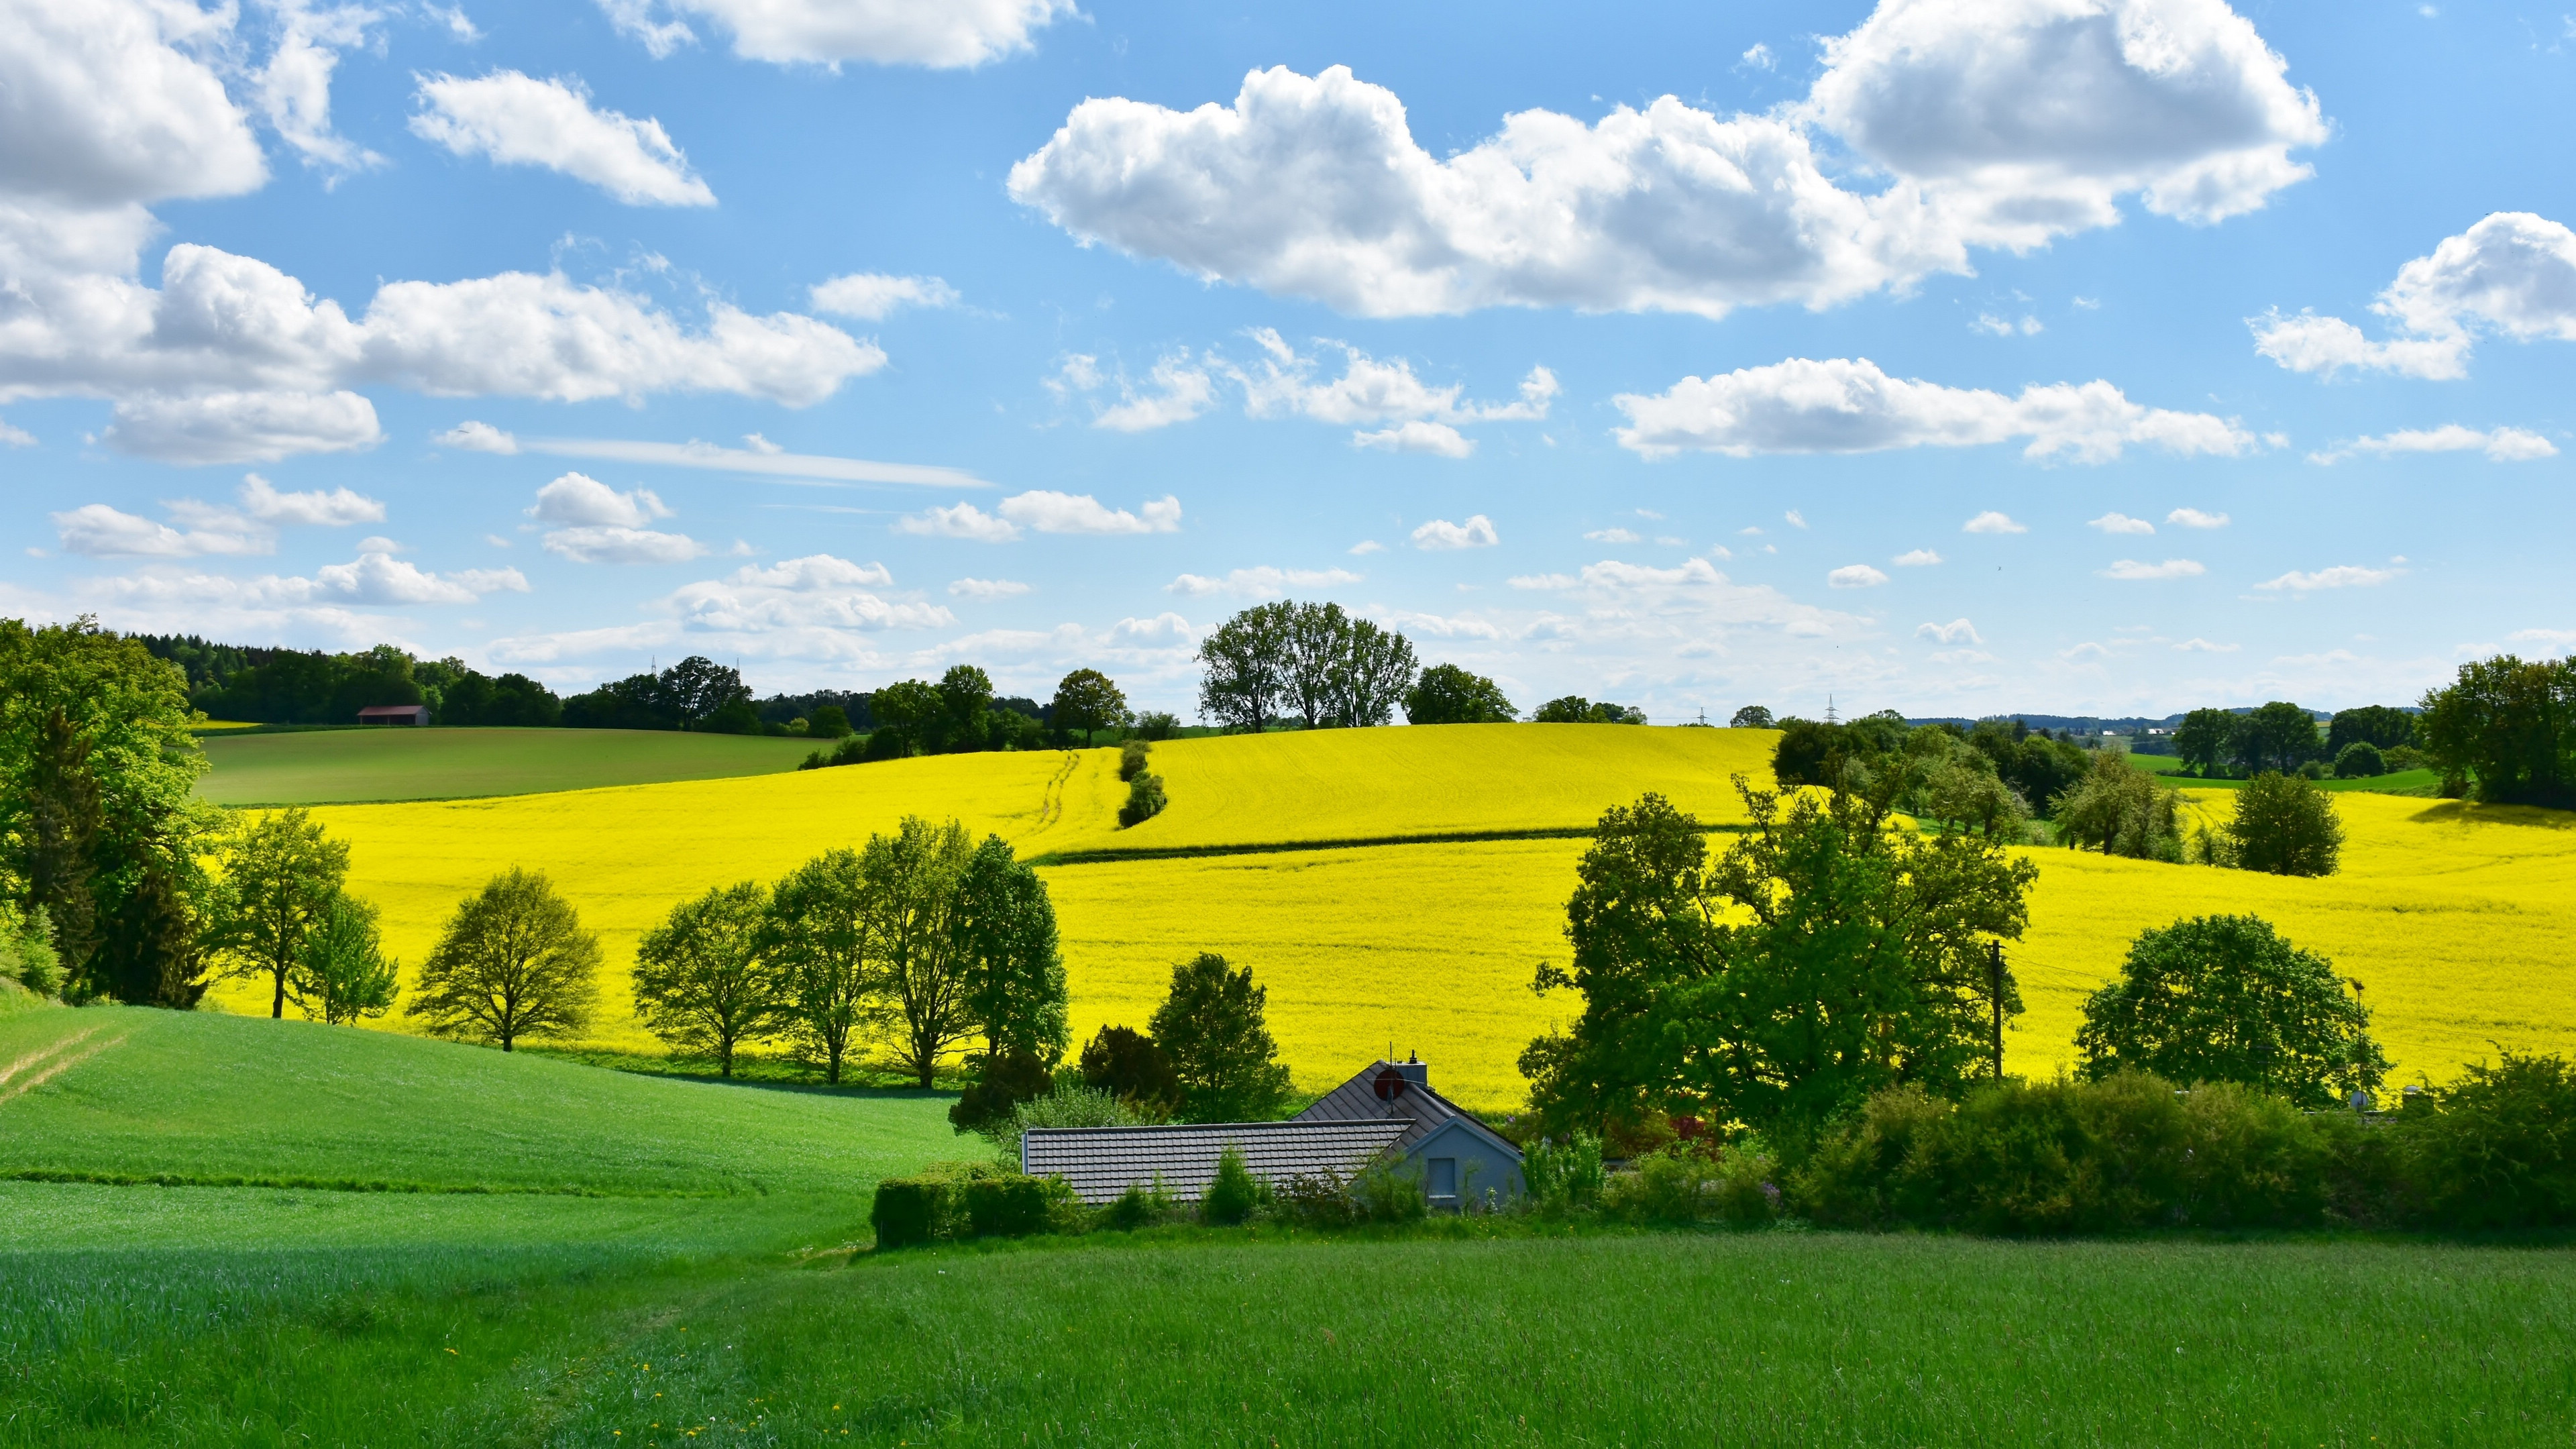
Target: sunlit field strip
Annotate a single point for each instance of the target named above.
(2456, 918)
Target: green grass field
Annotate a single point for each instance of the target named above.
(330, 767)
(2403, 782)
(702, 1292)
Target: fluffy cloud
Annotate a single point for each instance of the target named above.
(2512, 273)
(2120, 523)
(1614, 535)
(241, 427)
(870, 296)
(109, 102)
(2001, 125)
(336, 509)
(2501, 445)
(1957, 631)
(2133, 571)
(1177, 392)
(616, 545)
(987, 590)
(1263, 582)
(578, 498)
(1051, 512)
(963, 520)
(1855, 576)
(1917, 558)
(2194, 518)
(372, 579)
(2341, 576)
(1438, 439)
(294, 88)
(1992, 522)
(518, 120)
(476, 437)
(1440, 533)
(819, 592)
(1846, 405)
(98, 531)
(942, 34)
(1281, 382)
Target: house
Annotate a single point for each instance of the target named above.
(394, 714)
(1388, 1113)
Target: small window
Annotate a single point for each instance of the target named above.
(1444, 1177)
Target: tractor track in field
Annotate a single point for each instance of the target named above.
(1117, 855)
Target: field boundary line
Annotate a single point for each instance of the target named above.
(338, 1184)
(38, 1056)
(1119, 855)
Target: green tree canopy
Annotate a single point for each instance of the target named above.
(1130, 1066)
(1575, 709)
(2280, 736)
(828, 722)
(2204, 740)
(1826, 955)
(916, 958)
(342, 974)
(1213, 1028)
(2376, 725)
(1088, 700)
(2120, 809)
(700, 982)
(1245, 660)
(1447, 694)
(1751, 717)
(2284, 824)
(281, 872)
(1006, 932)
(513, 962)
(907, 712)
(2226, 999)
(2510, 727)
(965, 698)
(2360, 760)
(816, 939)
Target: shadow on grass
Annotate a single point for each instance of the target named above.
(761, 1074)
(2469, 812)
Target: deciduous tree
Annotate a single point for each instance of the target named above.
(2226, 999)
(2285, 825)
(1245, 685)
(1213, 1027)
(2509, 726)
(816, 939)
(342, 974)
(700, 982)
(1751, 717)
(916, 960)
(1130, 1066)
(1447, 694)
(280, 874)
(513, 962)
(1088, 700)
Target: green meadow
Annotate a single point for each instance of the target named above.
(339, 767)
(2403, 782)
(529, 1251)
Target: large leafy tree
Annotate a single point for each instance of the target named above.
(965, 697)
(2376, 725)
(816, 939)
(342, 973)
(1006, 936)
(2121, 810)
(2284, 824)
(1088, 700)
(1245, 685)
(1447, 694)
(916, 960)
(281, 873)
(97, 770)
(513, 962)
(1213, 1028)
(2226, 999)
(1830, 952)
(2509, 726)
(700, 982)
(2280, 736)
(2204, 739)
(1377, 666)
(907, 713)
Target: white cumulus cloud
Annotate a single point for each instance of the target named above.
(1855, 576)
(2341, 576)
(941, 34)
(336, 509)
(578, 498)
(2513, 273)
(1438, 439)
(1848, 405)
(1917, 558)
(963, 520)
(2194, 518)
(2000, 125)
(2134, 571)
(2120, 523)
(241, 427)
(1263, 582)
(615, 544)
(2501, 445)
(1048, 511)
(519, 120)
(1957, 631)
(476, 437)
(801, 598)
(871, 296)
(1440, 533)
(1991, 521)
(987, 589)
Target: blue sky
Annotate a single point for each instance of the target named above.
(2064, 355)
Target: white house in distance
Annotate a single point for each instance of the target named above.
(1388, 1113)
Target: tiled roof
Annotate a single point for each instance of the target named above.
(1357, 1101)
(1103, 1162)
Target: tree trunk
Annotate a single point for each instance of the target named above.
(277, 1008)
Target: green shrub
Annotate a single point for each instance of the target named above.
(1563, 1177)
(1131, 759)
(1002, 1082)
(1874, 1169)
(1145, 800)
(1672, 1185)
(1157, 725)
(1322, 1200)
(2253, 1159)
(1007, 1207)
(1748, 1192)
(1071, 1104)
(1138, 1207)
(908, 1211)
(1232, 1196)
(1383, 1193)
(2360, 760)
(27, 950)
(2498, 1149)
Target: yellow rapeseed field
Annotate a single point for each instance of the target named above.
(2457, 919)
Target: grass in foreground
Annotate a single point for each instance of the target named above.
(1190, 1340)
(337, 766)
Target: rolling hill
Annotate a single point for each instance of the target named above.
(318, 767)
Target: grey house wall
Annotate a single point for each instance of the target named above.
(1481, 1166)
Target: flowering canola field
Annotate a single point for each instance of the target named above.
(2456, 918)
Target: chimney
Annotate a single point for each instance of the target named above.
(1415, 1070)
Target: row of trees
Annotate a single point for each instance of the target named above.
(290, 686)
(2505, 731)
(2283, 738)
(1308, 662)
